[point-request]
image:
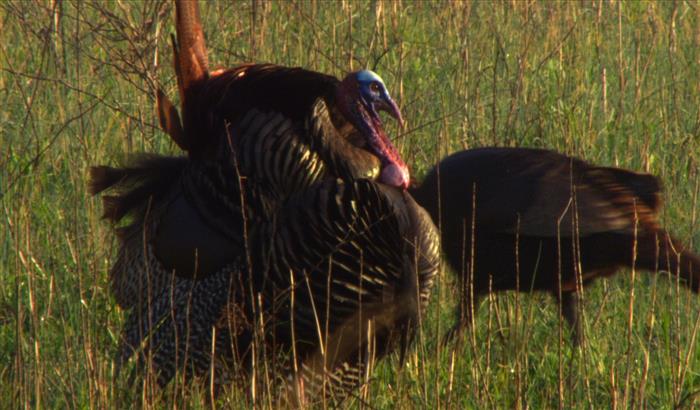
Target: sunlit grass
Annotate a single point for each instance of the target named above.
(614, 83)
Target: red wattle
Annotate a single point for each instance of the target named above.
(395, 175)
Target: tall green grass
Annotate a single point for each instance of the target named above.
(615, 83)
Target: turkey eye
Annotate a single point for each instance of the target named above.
(374, 87)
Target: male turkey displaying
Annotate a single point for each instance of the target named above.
(287, 228)
(531, 219)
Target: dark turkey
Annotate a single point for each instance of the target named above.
(530, 219)
(331, 126)
(338, 277)
(286, 234)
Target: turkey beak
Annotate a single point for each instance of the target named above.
(389, 106)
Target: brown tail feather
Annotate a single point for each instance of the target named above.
(662, 252)
(191, 61)
(147, 178)
(103, 177)
(170, 120)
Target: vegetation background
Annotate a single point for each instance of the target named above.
(616, 83)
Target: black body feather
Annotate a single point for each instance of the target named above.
(274, 219)
(270, 235)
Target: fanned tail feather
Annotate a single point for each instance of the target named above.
(148, 178)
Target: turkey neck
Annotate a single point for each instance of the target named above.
(348, 155)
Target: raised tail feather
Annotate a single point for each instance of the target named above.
(169, 120)
(191, 61)
(147, 179)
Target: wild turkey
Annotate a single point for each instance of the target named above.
(340, 261)
(330, 126)
(531, 219)
(275, 199)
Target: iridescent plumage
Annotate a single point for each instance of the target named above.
(276, 230)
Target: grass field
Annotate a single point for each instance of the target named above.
(614, 83)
